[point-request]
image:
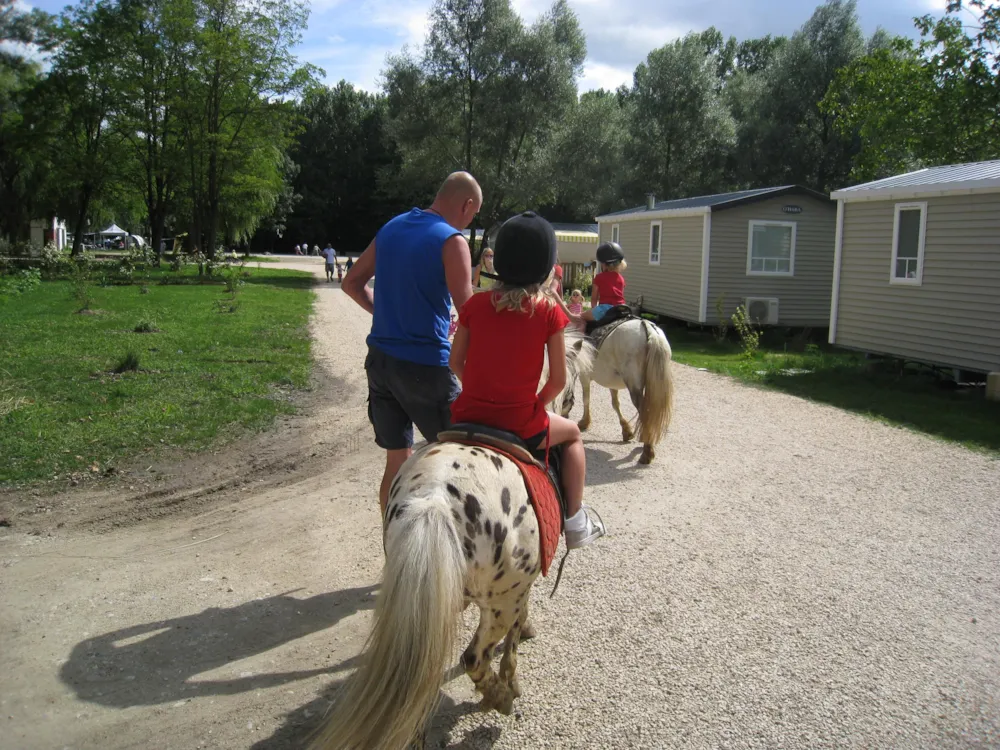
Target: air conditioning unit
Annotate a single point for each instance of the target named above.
(762, 310)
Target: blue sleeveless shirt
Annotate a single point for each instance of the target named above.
(412, 301)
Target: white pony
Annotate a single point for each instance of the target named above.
(459, 528)
(636, 356)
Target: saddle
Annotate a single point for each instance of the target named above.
(543, 484)
(616, 313)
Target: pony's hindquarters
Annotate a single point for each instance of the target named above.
(392, 695)
(657, 403)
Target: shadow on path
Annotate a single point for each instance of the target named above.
(300, 724)
(156, 661)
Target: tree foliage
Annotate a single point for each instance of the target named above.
(925, 104)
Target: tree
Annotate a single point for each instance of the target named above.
(237, 116)
(680, 127)
(83, 93)
(22, 151)
(586, 158)
(796, 142)
(937, 102)
(347, 165)
(485, 97)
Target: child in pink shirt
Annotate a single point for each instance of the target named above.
(576, 307)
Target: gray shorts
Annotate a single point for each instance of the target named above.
(402, 394)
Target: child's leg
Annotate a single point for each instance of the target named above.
(574, 466)
(580, 527)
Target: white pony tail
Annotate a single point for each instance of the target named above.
(656, 408)
(389, 700)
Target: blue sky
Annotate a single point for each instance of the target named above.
(350, 39)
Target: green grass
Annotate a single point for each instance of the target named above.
(78, 390)
(910, 396)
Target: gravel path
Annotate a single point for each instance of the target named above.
(784, 575)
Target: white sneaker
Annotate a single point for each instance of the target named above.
(594, 530)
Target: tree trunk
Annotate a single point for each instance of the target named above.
(81, 217)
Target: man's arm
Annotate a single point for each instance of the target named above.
(457, 269)
(355, 284)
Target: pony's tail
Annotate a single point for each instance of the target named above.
(657, 405)
(390, 698)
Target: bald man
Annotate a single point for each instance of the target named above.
(423, 264)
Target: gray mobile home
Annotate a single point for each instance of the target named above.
(770, 249)
(917, 267)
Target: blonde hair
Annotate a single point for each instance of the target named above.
(576, 293)
(507, 297)
(618, 266)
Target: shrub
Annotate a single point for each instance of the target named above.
(128, 363)
(146, 325)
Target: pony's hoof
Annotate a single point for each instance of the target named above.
(515, 687)
(583, 424)
(627, 435)
(648, 454)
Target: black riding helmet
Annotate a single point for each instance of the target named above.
(610, 252)
(525, 250)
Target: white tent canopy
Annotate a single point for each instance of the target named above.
(114, 229)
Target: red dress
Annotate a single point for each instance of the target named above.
(504, 364)
(610, 288)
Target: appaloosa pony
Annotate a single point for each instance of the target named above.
(459, 527)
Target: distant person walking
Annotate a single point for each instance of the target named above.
(331, 261)
(423, 264)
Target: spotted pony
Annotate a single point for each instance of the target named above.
(459, 528)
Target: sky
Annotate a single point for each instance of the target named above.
(349, 39)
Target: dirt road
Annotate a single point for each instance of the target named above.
(784, 575)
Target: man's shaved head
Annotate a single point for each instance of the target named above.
(459, 199)
(460, 186)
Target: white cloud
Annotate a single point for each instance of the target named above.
(600, 76)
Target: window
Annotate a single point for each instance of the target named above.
(654, 243)
(614, 233)
(771, 248)
(908, 228)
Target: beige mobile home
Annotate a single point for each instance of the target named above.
(917, 267)
(770, 249)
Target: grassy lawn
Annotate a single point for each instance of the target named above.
(913, 397)
(204, 372)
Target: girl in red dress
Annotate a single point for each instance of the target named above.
(499, 351)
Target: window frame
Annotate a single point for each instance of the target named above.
(616, 233)
(793, 225)
(921, 241)
(659, 245)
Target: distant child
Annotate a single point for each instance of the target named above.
(576, 308)
(609, 284)
(499, 351)
(350, 263)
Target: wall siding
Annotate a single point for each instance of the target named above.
(952, 318)
(672, 288)
(803, 299)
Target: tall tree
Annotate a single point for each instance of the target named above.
(932, 103)
(680, 126)
(22, 151)
(484, 96)
(794, 141)
(84, 93)
(237, 115)
(347, 164)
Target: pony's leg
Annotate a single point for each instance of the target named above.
(495, 621)
(584, 422)
(627, 433)
(508, 665)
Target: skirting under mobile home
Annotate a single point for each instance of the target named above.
(698, 259)
(917, 267)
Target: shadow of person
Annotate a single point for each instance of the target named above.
(154, 663)
(603, 468)
(301, 724)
